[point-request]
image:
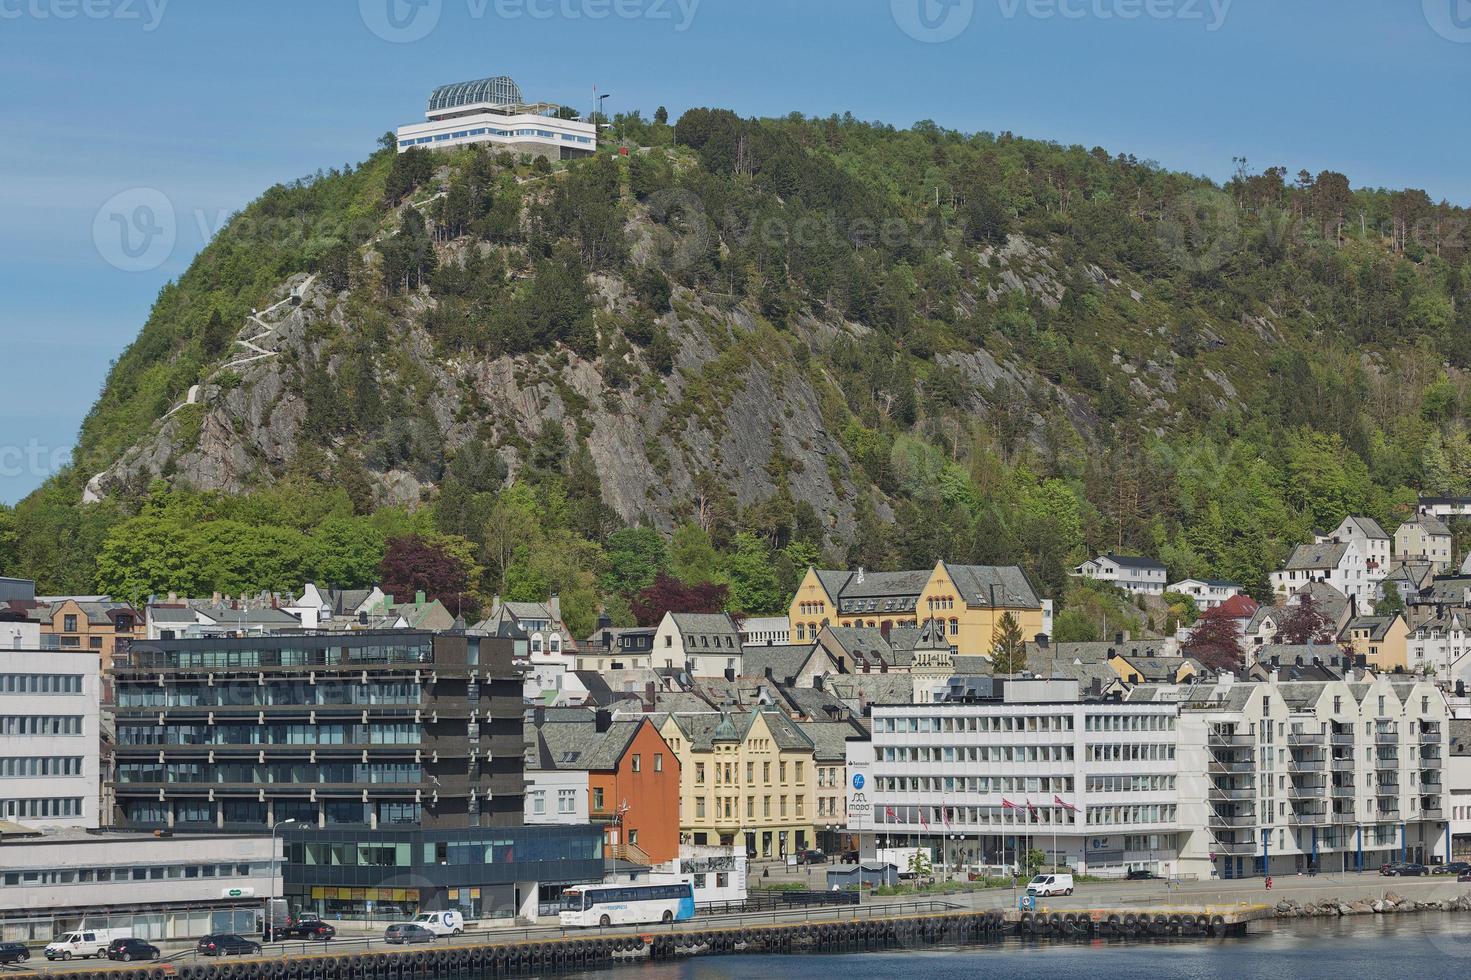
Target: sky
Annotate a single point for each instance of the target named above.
(133, 128)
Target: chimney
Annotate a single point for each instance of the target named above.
(650, 694)
(730, 674)
(1043, 640)
(554, 606)
(605, 621)
(539, 716)
(217, 598)
(419, 599)
(817, 683)
(603, 720)
(859, 578)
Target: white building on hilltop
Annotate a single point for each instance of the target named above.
(492, 110)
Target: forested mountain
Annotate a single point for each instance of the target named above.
(750, 345)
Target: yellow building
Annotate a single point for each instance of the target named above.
(1383, 641)
(744, 780)
(969, 599)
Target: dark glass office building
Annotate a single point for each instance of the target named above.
(375, 730)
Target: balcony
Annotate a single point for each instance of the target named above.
(1341, 792)
(1305, 739)
(1431, 807)
(1430, 738)
(1431, 762)
(1238, 848)
(1386, 738)
(1231, 740)
(1245, 817)
(1342, 765)
(1226, 795)
(1314, 791)
(1305, 765)
(1310, 819)
(1343, 738)
(1233, 768)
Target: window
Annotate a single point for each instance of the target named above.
(700, 773)
(658, 761)
(538, 802)
(597, 798)
(567, 801)
(637, 762)
(69, 624)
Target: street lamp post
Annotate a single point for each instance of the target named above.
(270, 923)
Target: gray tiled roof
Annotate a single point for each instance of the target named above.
(830, 738)
(580, 746)
(784, 662)
(1307, 557)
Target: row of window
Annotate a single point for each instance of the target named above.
(153, 812)
(461, 134)
(274, 693)
(1130, 784)
(406, 733)
(727, 807)
(1122, 815)
(388, 652)
(937, 817)
(55, 806)
(729, 771)
(1129, 723)
(29, 766)
(170, 872)
(1150, 752)
(925, 724)
(975, 784)
(566, 801)
(977, 753)
(298, 773)
(40, 724)
(40, 683)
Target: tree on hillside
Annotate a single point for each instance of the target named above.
(636, 556)
(661, 116)
(671, 595)
(1216, 642)
(753, 583)
(1305, 623)
(1009, 648)
(1391, 604)
(413, 564)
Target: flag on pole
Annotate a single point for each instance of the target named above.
(945, 815)
(1008, 805)
(889, 812)
(1064, 804)
(1031, 808)
(922, 821)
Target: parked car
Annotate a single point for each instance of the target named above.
(1451, 868)
(1405, 869)
(1048, 885)
(1141, 874)
(1464, 876)
(811, 856)
(128, 950)
(307, 925)
(14, 952)
(226, 944)
(407, 932)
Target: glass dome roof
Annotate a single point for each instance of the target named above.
(501, 90)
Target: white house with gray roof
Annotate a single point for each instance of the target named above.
(1135, 575)
(1341, 564)
(705, 644)
(1425, 537)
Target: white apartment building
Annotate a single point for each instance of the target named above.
(50, 712)
(707, 644)
(493, 111)
(1208, 593)
(1092, 783)
(1341, 564)
(1425, 537)
(1373, 541)
(1138, 576)
(766, 631)
(1441, 646)
(1296, 777)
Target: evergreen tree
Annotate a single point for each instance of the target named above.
(1008, 647)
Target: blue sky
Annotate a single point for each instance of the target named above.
(198, 106)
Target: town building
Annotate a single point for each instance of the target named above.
(1298, 777)
(1446, 508)
(1133, 574)
(493, 111)
(1441, 647)
(632, 778)
(830, 765)
(1426, 538)
(1208, 593)
(616, 647)
(99, 626)
(1034, 764)
(1340, 564)
(1458, 788)
(970, 599)
(747, 781)
(50, 738)
(1381, 640)
(1373, 542)
(159, 887)
(703, 644)
(766, 631)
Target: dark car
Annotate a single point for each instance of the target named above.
(225, 944)
(307, 925)
(407, 932)
(1406, 869)
(1451, 868)
(811, 856)
(14, 953)
(1464, 876)
(1141, 874)
(128, 950)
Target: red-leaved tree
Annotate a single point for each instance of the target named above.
(1216, 643)
(1304, 622)
(668, 594)
(412, 565)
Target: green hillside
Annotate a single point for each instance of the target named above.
(767, 343)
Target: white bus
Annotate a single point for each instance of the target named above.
(624, 905)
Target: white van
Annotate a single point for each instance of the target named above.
(441, 923)
(85, 943)
(1045, 886)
